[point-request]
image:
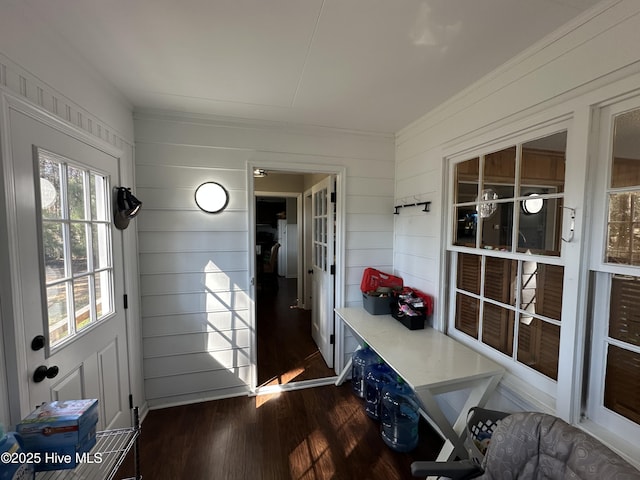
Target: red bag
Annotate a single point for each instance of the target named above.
(372, 279)
(425, 297)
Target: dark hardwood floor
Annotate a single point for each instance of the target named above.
(319, 433)
(286, 350)
(312, 434)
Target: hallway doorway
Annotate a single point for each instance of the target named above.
(286, 352)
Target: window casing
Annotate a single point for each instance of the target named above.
(507, 273)
(614, 382)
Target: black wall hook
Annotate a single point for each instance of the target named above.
(427, 207)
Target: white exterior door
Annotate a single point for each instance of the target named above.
(67, 270)
(323, 248)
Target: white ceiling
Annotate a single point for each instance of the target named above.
(373, 65)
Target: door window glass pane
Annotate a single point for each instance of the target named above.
(76, 193)
(102, 289)
(76, 247)
(57, 303)
(81, 305)
(50, 204)
(54, 252)
(99, 198)
(101, 247)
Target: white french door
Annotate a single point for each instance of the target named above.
(68, 271)
(323, 261)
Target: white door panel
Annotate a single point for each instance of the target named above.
(323, 259)
(94, 363)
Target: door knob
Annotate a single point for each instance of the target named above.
(37, 343)
(310, 271)
(43, 372)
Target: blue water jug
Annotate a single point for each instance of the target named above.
(376, 377)
(399, 416)
(360, 360)
(13, 465)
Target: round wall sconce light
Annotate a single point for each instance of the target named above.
(211, 197)
(533, 204)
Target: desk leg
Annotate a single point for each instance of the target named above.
(452, 445)
(343, 374)
(455, 434)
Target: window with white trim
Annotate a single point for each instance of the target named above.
(76, 246)
(506, 266)
(614, 393)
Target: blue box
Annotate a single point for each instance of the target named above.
(60, 432)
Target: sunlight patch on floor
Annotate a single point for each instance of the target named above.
(271, 388)
(283, 378)
(263, 398)
(311, 459)
(349, 435)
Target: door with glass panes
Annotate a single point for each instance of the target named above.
(323, 247)
(70, 269)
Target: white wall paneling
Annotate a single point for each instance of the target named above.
(560, 78)
(196, 296)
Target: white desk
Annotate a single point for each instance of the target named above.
(431, 363)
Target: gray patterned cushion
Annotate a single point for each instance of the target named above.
(540, 446)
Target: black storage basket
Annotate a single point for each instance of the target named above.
(480, 426)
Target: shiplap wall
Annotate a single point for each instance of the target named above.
(194, 271)
(578, 57)
(581, 65)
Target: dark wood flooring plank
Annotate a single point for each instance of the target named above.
(320, 433)
(286, 350)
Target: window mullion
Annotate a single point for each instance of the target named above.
(515, 233)
(518, 300)
(66, 242)
(481, 308)
(480, 221)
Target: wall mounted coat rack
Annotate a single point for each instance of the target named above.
(427, 206)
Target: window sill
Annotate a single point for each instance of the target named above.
(525, 395)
